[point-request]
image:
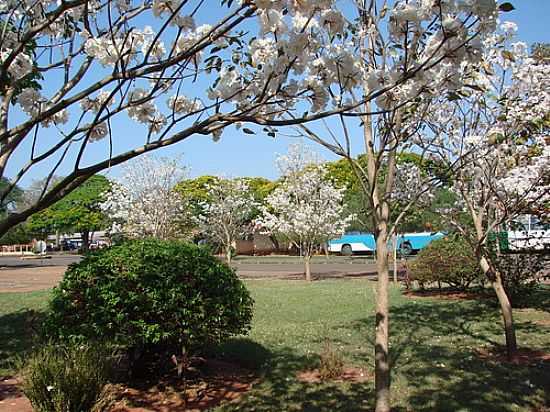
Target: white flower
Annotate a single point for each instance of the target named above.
(272, 21)
(186, 23)
(99, 131)
(183, 105)
(30, 101)
(333, 20)
(509, 27)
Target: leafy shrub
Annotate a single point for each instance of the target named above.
(66, 378)
(150, 295)
(521, 273)
(448, 260)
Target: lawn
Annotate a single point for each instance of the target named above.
(435, 367)
(20, 315)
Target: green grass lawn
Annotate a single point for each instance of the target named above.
(432, 348)
(20, 315)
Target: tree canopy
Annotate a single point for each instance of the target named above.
(78, 212)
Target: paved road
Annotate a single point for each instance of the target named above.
(24, 275)
(53, 260)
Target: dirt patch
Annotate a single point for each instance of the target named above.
(29, 279)
(220, 382)
(11, 397)
(524, 357)
(349, 374)
(541, 322)
(445, 294)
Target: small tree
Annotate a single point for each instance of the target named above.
(494, 135)
(306, 208)
(404, 53)
(144, 202)
(226, 215)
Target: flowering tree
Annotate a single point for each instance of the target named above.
(400, 56)
(306, 60)
(494, 136)
(71, 73)
(306, 208)
(226, 215)
(144, 202)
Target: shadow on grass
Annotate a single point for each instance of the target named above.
(435, 366)
(280, 390)
(433, 354)
(18, 333)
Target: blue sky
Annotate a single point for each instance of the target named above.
(239, 154)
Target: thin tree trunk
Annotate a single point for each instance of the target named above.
(381, 349)
(307, 263)
(85, 241)
(228, 254)
(495, 278)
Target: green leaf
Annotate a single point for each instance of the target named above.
(506, 7)
(248, 131)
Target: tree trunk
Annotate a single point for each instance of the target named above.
(228, 254)
(85, 241)
(495, 278)
(307, 261)
(381, 349)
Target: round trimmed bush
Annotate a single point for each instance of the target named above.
(147, 294)
(448, 260)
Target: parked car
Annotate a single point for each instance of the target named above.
(68, 245)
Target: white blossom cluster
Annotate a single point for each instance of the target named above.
(411, 185)
(495, 131)
(304, 52)
(144, 203)
(184, 105)
(297, 158)
(304, 48)
(110, 50)
(33, 104)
